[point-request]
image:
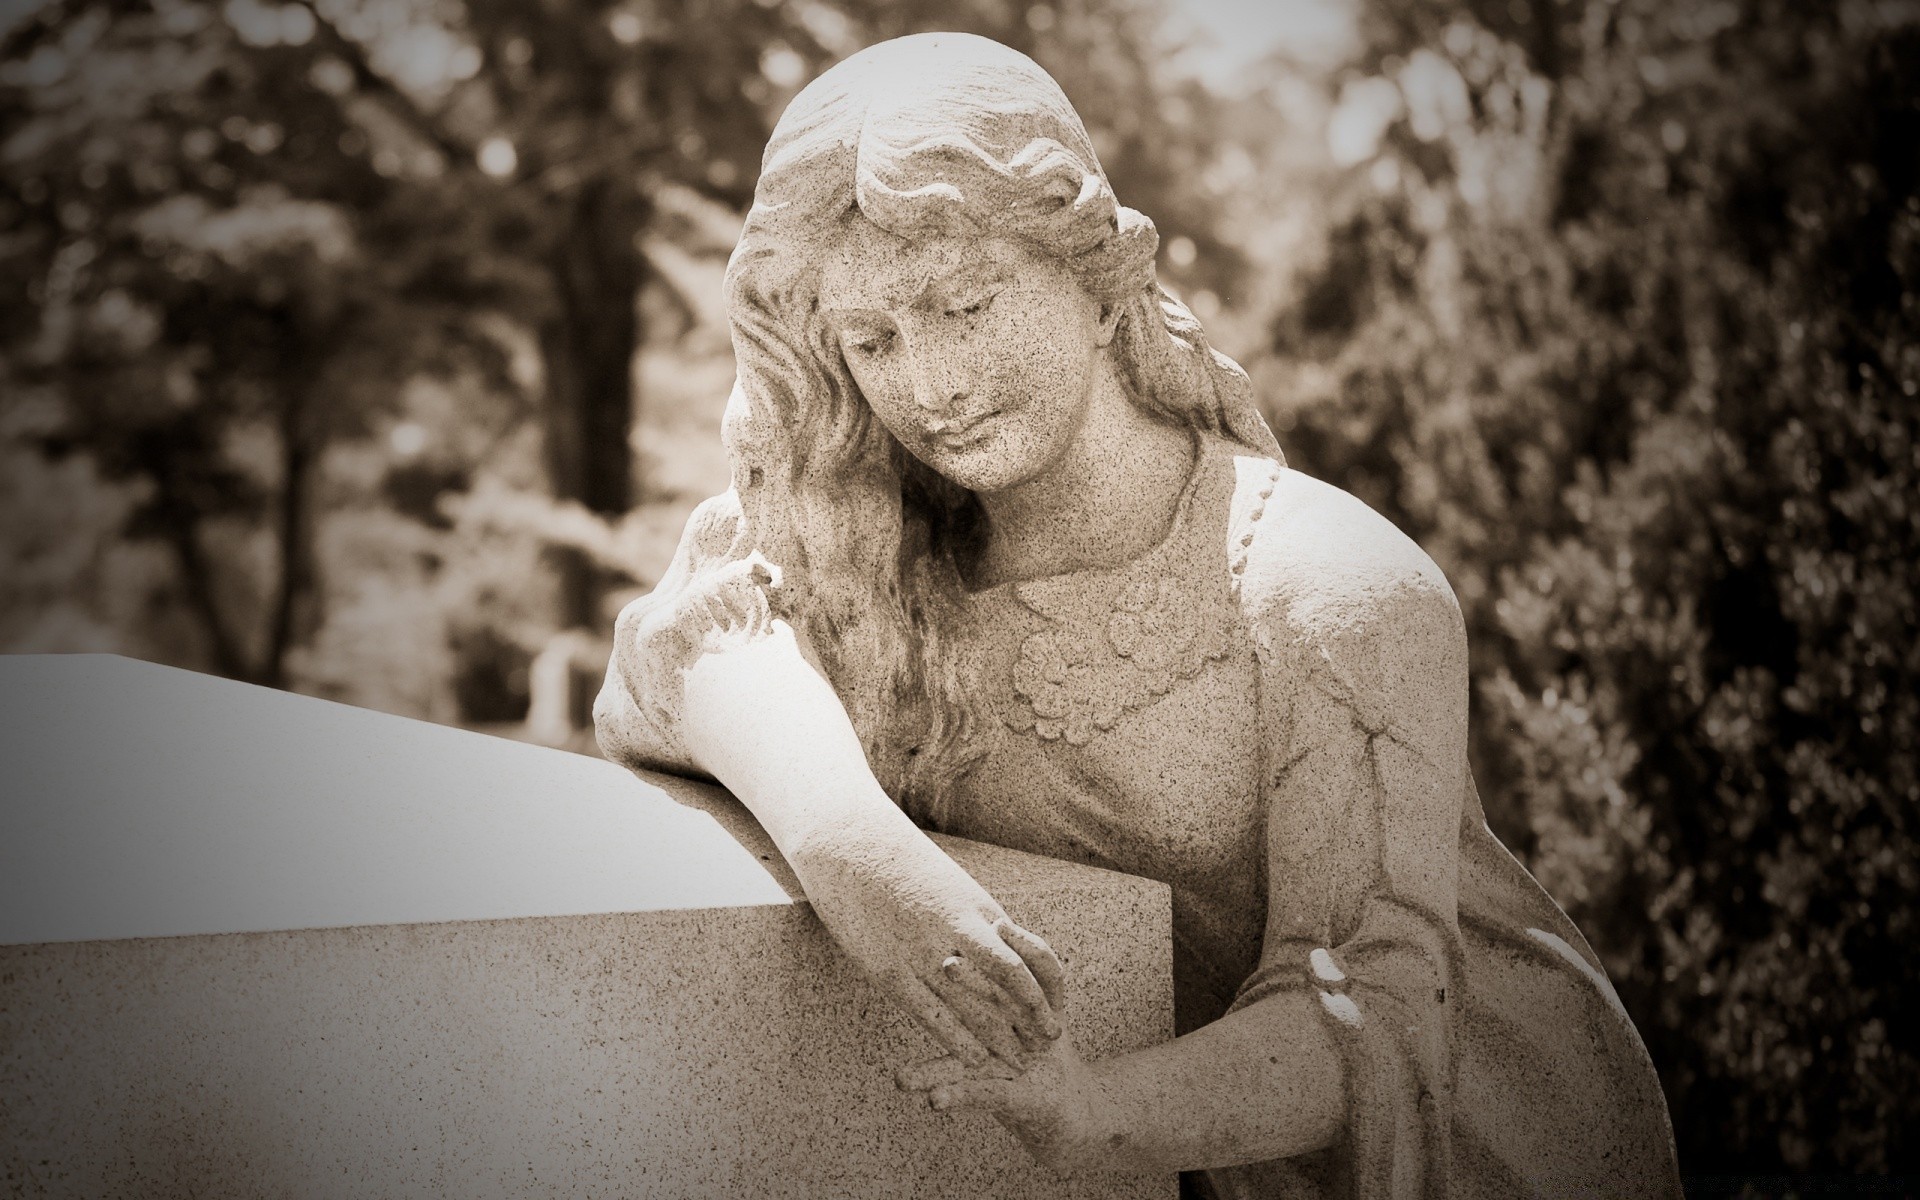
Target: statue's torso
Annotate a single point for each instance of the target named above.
(1124, 732)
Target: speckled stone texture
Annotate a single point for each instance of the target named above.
(260, 944)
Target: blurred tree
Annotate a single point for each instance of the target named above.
(250, 240)
(173, 308)
(257, 216)
(1619, 318)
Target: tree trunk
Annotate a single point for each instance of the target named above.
(295, 590)
(589, 345)
(182, 533)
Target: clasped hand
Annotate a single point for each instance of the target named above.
(1046, 1097)
(932, 938)
(993, 999)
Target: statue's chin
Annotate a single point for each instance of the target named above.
(985, 482)
(1004, 452)
(984, 464)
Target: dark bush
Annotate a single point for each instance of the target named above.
(1650, 398)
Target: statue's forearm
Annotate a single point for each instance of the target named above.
(1261, 1083)
(761, 719)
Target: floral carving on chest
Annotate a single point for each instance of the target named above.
(1091, 665)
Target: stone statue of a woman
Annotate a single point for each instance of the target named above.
(1010, 553)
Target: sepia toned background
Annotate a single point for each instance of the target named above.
(373, 349)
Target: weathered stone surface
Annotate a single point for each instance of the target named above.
(260, 944)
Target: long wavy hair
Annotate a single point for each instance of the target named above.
(936, 134)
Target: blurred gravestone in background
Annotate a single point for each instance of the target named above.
(373, 349)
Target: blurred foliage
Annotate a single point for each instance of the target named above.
(373, 348)
(1618, 318)
(319, 347)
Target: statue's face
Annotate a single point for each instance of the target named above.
(979, 354)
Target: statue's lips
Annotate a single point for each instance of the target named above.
(960, 434)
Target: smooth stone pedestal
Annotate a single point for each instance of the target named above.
(258, 944)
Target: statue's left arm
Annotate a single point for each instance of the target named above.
(1342, 1030)
(1365, 688)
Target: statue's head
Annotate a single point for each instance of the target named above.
(942, 149)
(948, 169)
(951, 134)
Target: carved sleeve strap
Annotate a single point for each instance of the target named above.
(656, 638)
(1364, 700)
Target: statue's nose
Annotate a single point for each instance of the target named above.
(943, 400)
(940, 383)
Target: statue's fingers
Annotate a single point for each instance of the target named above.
(938, 1019)
(962, 973)
(998, 963)
(984, 1018)
(1042, 965)
(920, 1077)
(738, 596)
(1002, 1096)
(761, 571)
(730, 609)
(1010, 989)
(756, 612)
(736, 606)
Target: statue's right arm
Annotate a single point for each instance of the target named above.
(705, 679)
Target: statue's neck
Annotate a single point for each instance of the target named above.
(1110, 498)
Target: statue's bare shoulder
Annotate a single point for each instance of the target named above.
(1337, 590)
(1322, 562)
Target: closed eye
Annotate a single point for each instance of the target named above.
(974, 309)
(869, 345)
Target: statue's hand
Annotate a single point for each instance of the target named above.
(734, 602)
(932, 938)
(1048, 1099)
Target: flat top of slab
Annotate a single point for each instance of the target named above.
(138, 800)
